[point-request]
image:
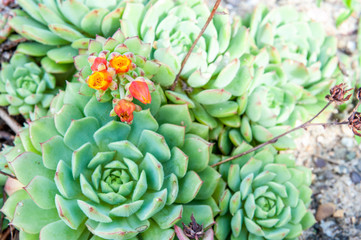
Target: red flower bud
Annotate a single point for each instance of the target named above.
(124, 109)
(140, 91)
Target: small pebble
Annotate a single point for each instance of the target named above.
(341, 153)
(350, 156)
(355, 177)
(351, 46)
(341, 169)
(339, 213)
(320, 163)
(347, 142)
(325, 210)
(328, 175)
(328, 227)
(358, 165)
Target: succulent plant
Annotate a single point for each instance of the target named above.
(25, 87)
(292, 75)
(89, 176)
(235, 67)
(302, 50)
(265, 198)
(119, 68)
(3, 178)
(171, 27)
(56, 25)
(248, 84)
(86, 172)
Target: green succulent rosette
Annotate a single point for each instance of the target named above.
(265, 197)
(26, 88)
(86, 173)
(55, 25)
(246, 80)
(172, 27)
(301, 55)
(273, 80)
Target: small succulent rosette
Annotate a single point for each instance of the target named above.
(265, 197)
(89, 176)
(304, 56)
(118, 69)
(26, 88)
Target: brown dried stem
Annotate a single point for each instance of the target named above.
(7, 174)
(14, 125)
(6, 234)
(275, 139)
(216, 5)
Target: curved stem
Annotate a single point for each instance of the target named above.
(14, 125)
(275, 139)
(216, 5)
(7, 174)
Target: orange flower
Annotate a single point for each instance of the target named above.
(120, 63)
(100, 80)
(124, 109)
(97, 62)
(140, 91)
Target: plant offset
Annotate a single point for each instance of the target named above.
(127, 140)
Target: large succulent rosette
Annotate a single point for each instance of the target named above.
(265, 198)
(25, 87)
(86, 173)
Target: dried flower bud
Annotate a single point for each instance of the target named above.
(358, 94)
(354, 122)
(193, 230)
(338, 93)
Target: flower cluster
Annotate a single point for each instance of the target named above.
(108, 74)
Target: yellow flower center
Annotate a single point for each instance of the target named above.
(99, 80)
(121, 64)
